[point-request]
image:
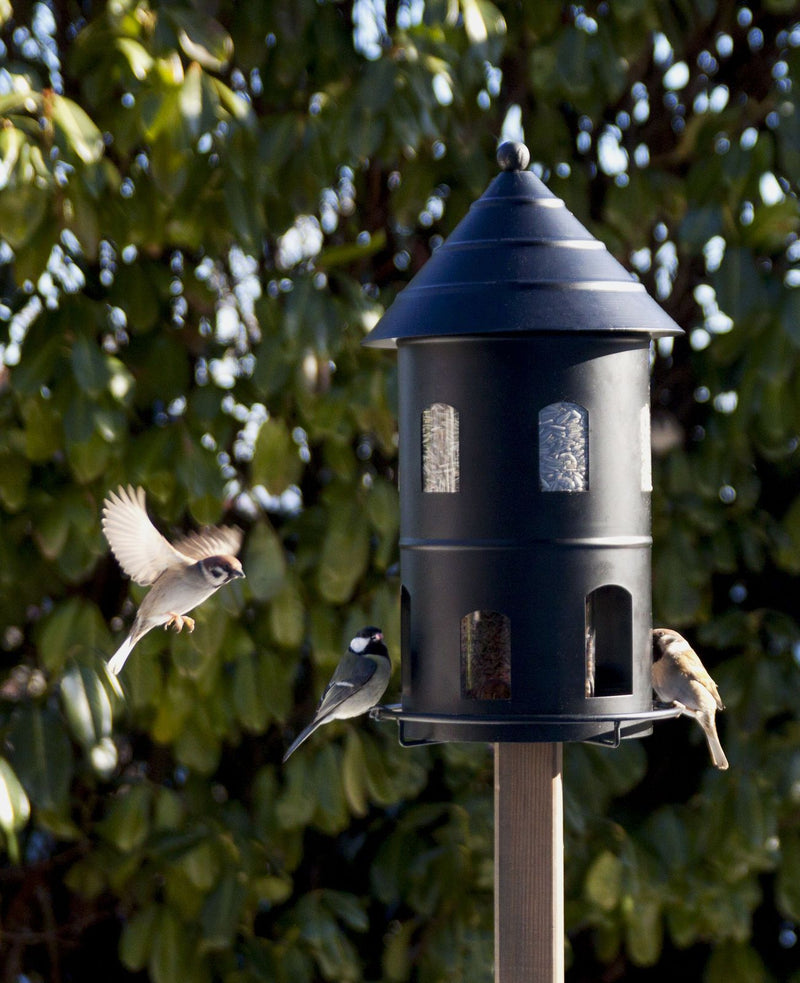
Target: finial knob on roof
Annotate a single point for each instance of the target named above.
(512, 156)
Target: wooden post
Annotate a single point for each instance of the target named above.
(528, 864)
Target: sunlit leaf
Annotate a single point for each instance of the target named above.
(88, 710)
(82, 135)
(604, 881)
(202, 38)
(15, 808)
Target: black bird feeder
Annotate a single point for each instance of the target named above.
(524, 417)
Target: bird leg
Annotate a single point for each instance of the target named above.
(178, 621)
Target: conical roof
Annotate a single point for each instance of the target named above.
(520, 263)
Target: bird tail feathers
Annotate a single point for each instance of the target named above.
(118, 659)
(302, 736)
(709, 726)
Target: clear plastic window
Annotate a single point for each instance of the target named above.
(440, 449)
(563, 448)
(486, 656)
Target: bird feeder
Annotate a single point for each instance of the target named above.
(525, 482)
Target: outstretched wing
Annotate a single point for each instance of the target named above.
(140, 549)
(213, 541)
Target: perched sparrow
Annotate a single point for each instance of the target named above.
(680, 677)
(356, 686)
(183, 575)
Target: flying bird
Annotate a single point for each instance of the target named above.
(680, 677)
(357, 684)
(181, 575)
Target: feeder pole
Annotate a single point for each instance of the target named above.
(528, 864)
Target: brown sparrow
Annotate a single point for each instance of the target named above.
(183, 575)
(680, 677)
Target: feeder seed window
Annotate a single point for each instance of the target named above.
(563, 448)
(486, 656)
(609, 642)
(440, 449)
(647, 464)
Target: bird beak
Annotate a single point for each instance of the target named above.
(239, 573)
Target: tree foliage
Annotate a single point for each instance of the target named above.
(203, 208)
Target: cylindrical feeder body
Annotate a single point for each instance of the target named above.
(524, 474)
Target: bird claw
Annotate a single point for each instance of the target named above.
(177, 621)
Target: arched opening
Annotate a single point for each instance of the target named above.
(609, 642)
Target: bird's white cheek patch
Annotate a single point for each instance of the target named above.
(359, 644)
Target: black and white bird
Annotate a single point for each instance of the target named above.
(357, 684)
(680, 677)
(182, 575)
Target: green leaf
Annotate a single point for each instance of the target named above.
(345, 552)
(22, 211)
(735, 962)
(295, 805)
(202, 38)
(89, 459)
(251, 708)
(172, 950)
(128, 820)
(15, 473)
(221, 912)
(354, 769)
(82, 136)
(265, 562)
(136, 941)
(43, 433)
(738, 284)
(287, 617)
(383, 510)
(74, 629)
(88, 710)
(15, 809)
(276, 458)
(89, 366)
(788, 885)
(790, 314)
(201, 865)
(137, 293)
(197, 102)
(603, 884)
(643, 930)
(136, 55)
(41, 755)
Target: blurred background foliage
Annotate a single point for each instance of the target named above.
(203, 208)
